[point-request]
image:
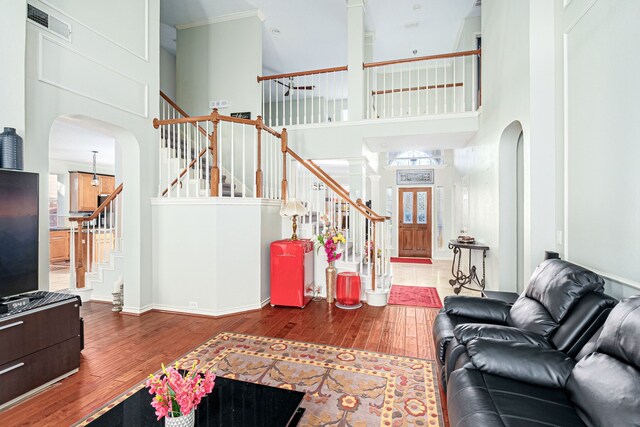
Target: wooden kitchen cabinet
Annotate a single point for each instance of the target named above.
(83, 197)
(59, 246)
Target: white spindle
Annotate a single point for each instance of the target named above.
(474, 100)
(464, 84)
(244, 160)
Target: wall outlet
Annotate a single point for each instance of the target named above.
(223, 103)
(193, 304)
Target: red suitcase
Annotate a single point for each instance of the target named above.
(291, 272)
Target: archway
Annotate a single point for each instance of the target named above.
(511, 197)
(127, 171)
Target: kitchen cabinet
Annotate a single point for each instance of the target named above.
(83, 196)
(59, 246)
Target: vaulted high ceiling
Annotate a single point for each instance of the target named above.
(313, 34)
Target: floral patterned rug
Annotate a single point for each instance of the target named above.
(344, 387)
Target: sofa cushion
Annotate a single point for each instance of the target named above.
(469, 331)
(605, 385)
(529, 314)
(523, 362)
(443, 327)
(476, 399)
(484, 310)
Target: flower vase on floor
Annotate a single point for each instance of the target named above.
(331, 281)
(188, 420)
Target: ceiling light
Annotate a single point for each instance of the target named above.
(275, 31)
(95, 181)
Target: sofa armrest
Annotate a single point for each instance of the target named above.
(522, 362)
(467, 332)
(483, 309)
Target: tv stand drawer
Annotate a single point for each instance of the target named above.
(37, 329)
(30, 372)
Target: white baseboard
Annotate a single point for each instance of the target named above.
(265, 302)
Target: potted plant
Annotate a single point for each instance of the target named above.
(178, 393)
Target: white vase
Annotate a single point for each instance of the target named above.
(188, 420)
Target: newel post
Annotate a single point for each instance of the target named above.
(259, 159)
(79, 257)
(213, 147)
(285, 139)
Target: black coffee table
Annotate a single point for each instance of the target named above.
(231, 403)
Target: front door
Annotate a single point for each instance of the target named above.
(414, 231)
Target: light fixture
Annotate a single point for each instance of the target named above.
(94, 181)
(293, 207)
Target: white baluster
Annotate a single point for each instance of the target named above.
(244, 176)
(474, 101)
(464, 84)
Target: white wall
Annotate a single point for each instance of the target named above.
(12, 92)
(220, 61)
(213, 252)
(168, 73)
(506, 98)
(597, 128)
(471, 27)
(106, 76)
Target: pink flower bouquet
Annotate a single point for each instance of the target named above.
(176, 394)
(329, 241)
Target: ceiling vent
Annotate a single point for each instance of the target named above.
(51, 23)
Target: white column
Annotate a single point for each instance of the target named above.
(376, 198)
(355, 52)
(358, 179)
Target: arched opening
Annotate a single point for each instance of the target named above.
(121, 158)
(511, 191)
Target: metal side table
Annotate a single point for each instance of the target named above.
(468, 279)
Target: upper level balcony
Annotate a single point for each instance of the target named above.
(412, 87)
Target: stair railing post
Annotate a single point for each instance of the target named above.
(213, 147)
(373, 257)
(259, 155)
(79, 257)
(285, 138)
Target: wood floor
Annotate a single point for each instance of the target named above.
(122, 350)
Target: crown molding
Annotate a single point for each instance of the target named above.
(223, 18)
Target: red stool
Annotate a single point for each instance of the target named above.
(348, 291)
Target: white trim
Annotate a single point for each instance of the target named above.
(265, 302)
(36, 390)
(137, 311)
(209, 312)
(448, 116)
(99, 298)
(230, 201)
(144, 57)
(611, 277)
(223, 18)
(82, 55)
(581, 15)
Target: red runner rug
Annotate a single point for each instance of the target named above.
(411, 260)
(417, 296)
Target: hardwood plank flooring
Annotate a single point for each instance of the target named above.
(122, 350)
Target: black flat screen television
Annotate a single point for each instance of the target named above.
(18, 232)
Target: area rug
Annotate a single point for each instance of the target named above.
(411, 260)
(418, 296)
(344, 387)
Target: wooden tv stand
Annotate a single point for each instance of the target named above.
(39, 345)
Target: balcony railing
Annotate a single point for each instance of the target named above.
(411, 87)
(429, 85)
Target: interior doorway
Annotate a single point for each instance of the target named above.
(520, 211)
(414, 228)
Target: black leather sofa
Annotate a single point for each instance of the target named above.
(561, 308)
(505, 383)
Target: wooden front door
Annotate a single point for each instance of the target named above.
(414, 230)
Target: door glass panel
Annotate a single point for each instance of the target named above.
(422, 207)
(407, 204)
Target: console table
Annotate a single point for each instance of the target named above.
(467, 279)
(40, 344)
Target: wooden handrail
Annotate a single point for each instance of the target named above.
(100, 209)
(371, 211)
(179, 110)
(303, 73)
(318, 175)
(423, 58)
(415, 88)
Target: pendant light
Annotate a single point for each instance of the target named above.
(94, 181)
